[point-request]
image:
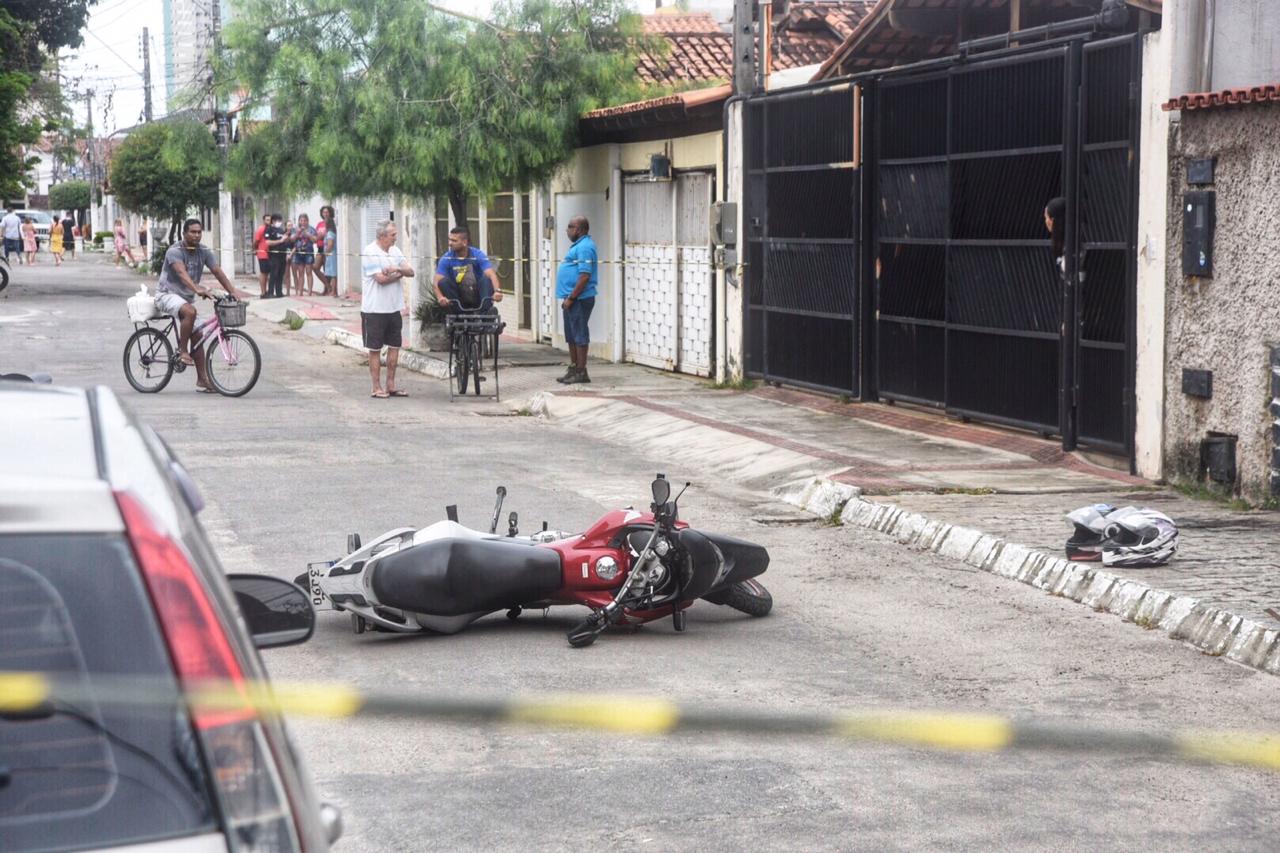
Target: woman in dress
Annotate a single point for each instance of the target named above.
(55, 243)
(331, 256)
(29, 240)
(122, 245)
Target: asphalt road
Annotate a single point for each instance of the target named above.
(859, 622)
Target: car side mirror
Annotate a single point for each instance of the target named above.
(277, 612)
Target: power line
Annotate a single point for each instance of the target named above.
(113, 52)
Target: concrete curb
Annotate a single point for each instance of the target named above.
(1210, 629)
(409, 359)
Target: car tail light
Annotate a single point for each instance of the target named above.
(253, 799)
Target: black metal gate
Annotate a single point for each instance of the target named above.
(972, 313)
(803, 226)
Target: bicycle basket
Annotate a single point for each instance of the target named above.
(231, 314)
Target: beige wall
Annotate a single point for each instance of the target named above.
(1227, 323)
(592, 170)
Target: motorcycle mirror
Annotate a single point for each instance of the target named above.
(661, 491)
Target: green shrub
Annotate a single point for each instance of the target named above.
(430, 312)
(157, 257)
(100, 236)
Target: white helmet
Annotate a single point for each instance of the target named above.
(1138, 537)
(1085, 544)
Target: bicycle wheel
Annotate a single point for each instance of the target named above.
(461, 362)
(475, 364)
(148, 360)
(234, 364)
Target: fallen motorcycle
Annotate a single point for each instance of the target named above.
(629, 568)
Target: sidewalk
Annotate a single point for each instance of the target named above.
(992, 498)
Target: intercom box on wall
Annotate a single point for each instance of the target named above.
(1198, 220)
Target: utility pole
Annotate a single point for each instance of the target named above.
(744, 48)
(222, 130)
(90, 144)
(146, 74)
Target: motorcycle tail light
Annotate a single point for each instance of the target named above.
(255, 807)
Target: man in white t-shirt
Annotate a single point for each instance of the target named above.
(382, 266)
(11, 226)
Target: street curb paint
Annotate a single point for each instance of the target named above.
(409, 359)
(1212, 630)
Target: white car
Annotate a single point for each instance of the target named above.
(43, 222)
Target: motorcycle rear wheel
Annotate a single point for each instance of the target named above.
(749, 597)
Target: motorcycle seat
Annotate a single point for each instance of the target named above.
(454, 576)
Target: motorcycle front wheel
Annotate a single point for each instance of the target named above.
(749, 597)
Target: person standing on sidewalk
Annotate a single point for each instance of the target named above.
(68, 225)
(260, 254)
(576, 283)
(11, 227)
(382, 267)
(277, 255)
(55, 244)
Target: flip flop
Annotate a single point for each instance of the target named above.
(397, 393)
(186, 358)
(200, 390)
(380, 396)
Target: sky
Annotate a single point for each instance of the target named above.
(110, 60)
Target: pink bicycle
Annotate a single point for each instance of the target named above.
(231, 356)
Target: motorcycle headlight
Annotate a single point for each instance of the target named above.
(606, 568)
(661, 546)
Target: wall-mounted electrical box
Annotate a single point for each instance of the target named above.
(724, 223)
(1200, 172)
(1198, 219)
(659, 167)
(1197, 383)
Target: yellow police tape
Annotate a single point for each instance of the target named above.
(33, 695)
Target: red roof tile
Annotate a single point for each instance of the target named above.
(1225, 98)
(685, 100)
(806, 35)
(683, 22)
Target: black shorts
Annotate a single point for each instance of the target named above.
(381, 330)
(264, 265)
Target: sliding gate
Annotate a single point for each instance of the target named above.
(803, 223)
(972, 312)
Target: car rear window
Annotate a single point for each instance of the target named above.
(85, 775)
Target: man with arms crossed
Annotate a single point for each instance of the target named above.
(382, 266)
(184, 264)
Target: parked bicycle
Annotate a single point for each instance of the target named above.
(231, 357)
(467, 332)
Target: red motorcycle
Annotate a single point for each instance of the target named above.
(628, 568)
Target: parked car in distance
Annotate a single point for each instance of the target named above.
(107, 577)
(43, 222)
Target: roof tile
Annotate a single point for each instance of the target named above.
(1225, 98)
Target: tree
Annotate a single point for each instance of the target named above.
(165, 169)
(30, 31)
(69, 195)
(398, 97)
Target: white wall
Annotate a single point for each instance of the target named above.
(1157, 82)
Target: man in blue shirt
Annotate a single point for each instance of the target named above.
(576, 283)
(465, 275)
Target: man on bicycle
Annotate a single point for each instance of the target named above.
(184, 264)
(465, 275)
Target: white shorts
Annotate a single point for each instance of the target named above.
(171, 303)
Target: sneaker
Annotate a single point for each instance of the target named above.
(568, 375)
(577, 378)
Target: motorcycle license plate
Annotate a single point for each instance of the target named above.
(316, 571)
